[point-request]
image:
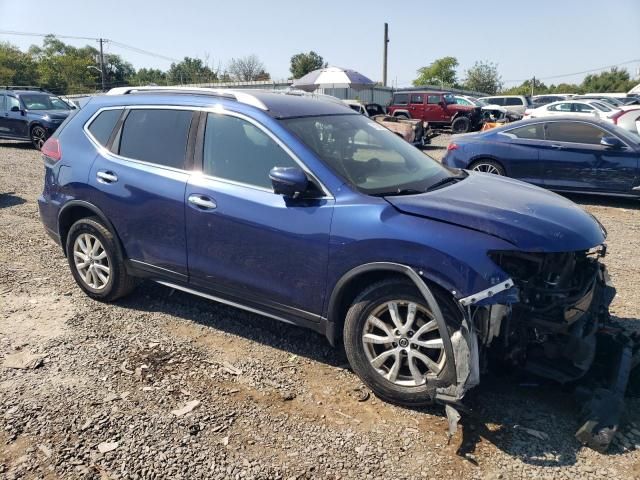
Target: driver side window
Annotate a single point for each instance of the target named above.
(237, 150)
(12, 102)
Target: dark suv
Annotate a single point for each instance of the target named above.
(439, 109)
(304, 211)
(30, 113)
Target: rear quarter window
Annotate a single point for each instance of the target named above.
(514, 101)
(102, 126)
(156, 136)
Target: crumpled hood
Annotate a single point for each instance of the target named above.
(529, 217)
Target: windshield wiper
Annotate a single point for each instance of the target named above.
(445, 181)
(400, 191)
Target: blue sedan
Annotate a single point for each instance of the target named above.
(561, 153)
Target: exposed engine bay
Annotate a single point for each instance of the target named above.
(554, 324)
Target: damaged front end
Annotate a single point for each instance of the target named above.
(550, 319)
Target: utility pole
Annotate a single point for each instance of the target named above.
(533, 86)
(102, 40)
(384, 55)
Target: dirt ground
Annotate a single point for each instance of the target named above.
(273, 401)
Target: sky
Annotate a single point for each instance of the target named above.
(544, 38)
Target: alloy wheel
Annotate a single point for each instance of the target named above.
(486, 168)
(403, 344)
(38, 137)
(91, 261)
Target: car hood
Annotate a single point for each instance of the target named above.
(530, 218)
(52, 114)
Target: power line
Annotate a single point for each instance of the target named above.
(576, 73)
(119, 44)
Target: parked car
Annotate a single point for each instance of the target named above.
(30, 113)
(611, 101)
(581, 108)
(540, 100)
(558, 153)
(307, 212)
(515, 103)
(416, 132)
(492, 115)
(438, 108)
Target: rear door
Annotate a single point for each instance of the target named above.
(416, 105)
(573, 158)
(140, 183)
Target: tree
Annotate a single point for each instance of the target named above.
(149, 76)
(303, 63)
(441, 72)
(190, 70)
(247, 69)
(615, 80)
(483, 77)
(16, 67)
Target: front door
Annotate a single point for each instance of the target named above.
(244, 241)
(416, 105)
(140, 186)
(433, 108)
(573, 158)
(14, 123)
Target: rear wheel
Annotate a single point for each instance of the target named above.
(460, 125)
(38, 136)
(96, 261)
(393, 342)
(487, 166)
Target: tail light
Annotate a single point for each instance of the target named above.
(51, 149)
(616, 116)
(452, 146)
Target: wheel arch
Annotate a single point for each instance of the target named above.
(73, 211)
(357, 279)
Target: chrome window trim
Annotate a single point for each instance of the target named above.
(219, 109)
(543, 120)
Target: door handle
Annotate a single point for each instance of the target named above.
(202, 202)
(557, 147)
(106, 177)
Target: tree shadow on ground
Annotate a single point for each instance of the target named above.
(604, 201)
(10, 200)
(499, 407)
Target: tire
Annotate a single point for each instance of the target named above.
(405, 389)
(106, 261)
(461, 125)
(488, 166)
(38, 136)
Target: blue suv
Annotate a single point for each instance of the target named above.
(302, 210)
(30, 113)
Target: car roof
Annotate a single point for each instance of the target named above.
(277, 104)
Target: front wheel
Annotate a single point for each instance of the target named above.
(38, 136)
(393, 342)
(461, 125)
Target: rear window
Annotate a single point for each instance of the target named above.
(156, 136)
(512, 101)
(401, 99)
(103, 125)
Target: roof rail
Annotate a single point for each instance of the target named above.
(23, 87)
(239, 96)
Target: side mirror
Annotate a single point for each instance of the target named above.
(15, 109)
(288, 181)
(611, 142)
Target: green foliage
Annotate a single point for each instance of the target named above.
(441, 72)
(483, 77)
(190, 70)
(149, 76)
(615, 80)
(303, 63)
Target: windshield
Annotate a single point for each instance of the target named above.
(449, 99)
(601, 106)
(41, 101)
(367, 155)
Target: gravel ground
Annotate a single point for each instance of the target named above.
(268, 400)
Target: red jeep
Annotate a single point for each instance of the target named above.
(438, 108)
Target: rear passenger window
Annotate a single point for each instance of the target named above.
(513, 101)
(103, 125)
(530, 132)
(156, 136)
(494, 100)
(237, 150)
